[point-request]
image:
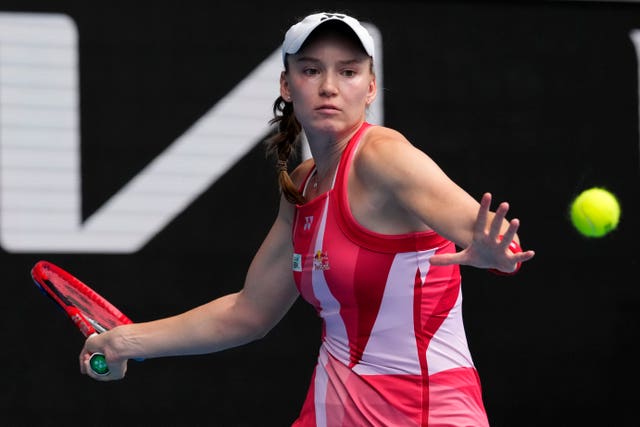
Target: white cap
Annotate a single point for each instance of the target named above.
(298, 33)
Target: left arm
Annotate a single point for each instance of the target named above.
(417, 192)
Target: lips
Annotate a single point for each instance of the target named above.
(327, 107)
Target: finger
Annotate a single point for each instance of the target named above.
(498, 220)
(524, 256)
(85, 363)
(510, 233)
(483, 213)
(84, 357)
(81, 361)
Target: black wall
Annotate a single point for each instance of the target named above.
(531, 101)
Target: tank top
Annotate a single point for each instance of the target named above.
(393, 346)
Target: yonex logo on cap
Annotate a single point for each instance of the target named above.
(332, 15)
(298, 33)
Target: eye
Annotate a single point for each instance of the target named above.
(349, 73)
(310, 71)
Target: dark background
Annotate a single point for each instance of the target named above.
(532, 101)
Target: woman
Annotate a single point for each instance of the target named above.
(366, 232)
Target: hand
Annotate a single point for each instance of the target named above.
(100, 344)
(487, 249)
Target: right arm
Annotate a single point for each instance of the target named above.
(229, 321)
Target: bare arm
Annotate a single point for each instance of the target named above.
(414, 194)
(229, 321)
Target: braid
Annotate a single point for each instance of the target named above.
(281, 145)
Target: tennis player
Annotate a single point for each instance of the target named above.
(367, 232)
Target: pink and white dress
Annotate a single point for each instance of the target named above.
(394, 350)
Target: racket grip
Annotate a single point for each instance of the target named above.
(98, 364)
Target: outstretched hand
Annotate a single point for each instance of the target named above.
(487, 249)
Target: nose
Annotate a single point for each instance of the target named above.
(328, 86)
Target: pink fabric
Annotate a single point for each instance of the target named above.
(394, 351)
(389, 400)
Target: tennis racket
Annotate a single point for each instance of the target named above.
(90, 312)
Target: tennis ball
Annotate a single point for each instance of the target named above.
(595, 212)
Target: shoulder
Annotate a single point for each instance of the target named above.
(381, 145)
(381, 137)
(384, 155)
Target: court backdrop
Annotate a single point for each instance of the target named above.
(131, 153)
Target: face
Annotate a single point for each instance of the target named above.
(330, 83)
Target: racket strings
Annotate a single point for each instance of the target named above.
(99, 312)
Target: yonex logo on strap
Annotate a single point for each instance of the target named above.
(308, 221)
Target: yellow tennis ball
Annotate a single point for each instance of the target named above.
(595, 212)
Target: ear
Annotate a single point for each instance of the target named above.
(372, 91)
(285, 93)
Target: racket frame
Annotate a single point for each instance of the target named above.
(43, 273)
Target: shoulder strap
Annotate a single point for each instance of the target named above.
(345, 160)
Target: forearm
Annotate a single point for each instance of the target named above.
(228, 321)
(215, 326)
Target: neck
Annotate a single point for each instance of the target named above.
(326, 149)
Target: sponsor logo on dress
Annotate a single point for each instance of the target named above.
(320, 261)
(296, 264)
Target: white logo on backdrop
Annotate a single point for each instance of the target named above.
(635, 38)
(40, 188)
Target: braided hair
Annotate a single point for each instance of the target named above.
(282, 144)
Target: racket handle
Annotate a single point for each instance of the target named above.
(99, 364)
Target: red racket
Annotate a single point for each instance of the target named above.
(90, 312)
